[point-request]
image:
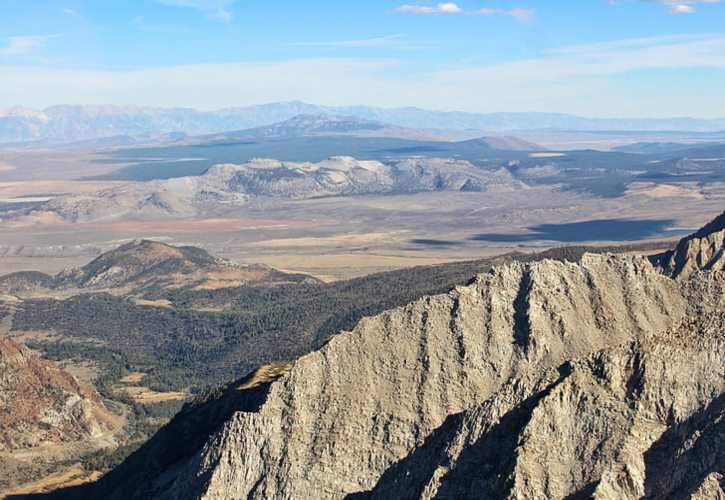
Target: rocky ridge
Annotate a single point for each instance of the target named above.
(603, 378)
(703, 250)
(46, 415)
(231, 184)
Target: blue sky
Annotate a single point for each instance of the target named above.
(589, 57)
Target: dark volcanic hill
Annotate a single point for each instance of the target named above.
(144, 264)
(603, 378)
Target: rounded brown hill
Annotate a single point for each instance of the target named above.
(145, 263)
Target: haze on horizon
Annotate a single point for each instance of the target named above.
(626, 58)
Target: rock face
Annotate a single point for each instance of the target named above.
(344, 176)
(46, 414)
(703, 250)
(543, 380)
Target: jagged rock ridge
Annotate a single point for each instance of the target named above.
(603, 378)
(704, 249)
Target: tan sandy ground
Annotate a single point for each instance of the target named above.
(654, 190)
(73, 476)
(144, 395)
(330, 241)
(200, 225)
(546, 155)
(16, 189)
(330, 267)
(267, 373)
(166, 304)
(133, 378)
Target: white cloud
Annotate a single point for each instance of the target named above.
(22, 45)
(682, 9)
(596, 79)
(682, 6)
(214, 9)
(441, 8)
(390, 41)
(453, 8)
(70, 12)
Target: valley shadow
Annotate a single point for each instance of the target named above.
(595, 230)
(435, 243)
(677, 463)
(482, 470)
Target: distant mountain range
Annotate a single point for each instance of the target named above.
(61, 124)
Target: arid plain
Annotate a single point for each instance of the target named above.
(343, 236)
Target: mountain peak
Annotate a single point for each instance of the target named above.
(714, 226)
(703, 250)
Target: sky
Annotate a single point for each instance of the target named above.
(607, 58)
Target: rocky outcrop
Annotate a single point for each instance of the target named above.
(703, 250)
(46, 414)
(550, 379)
(348, 176)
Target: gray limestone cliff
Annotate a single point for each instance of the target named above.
(602, 378)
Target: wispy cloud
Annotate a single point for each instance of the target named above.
(22, 45)
(213, 9)
(682, 6)
(453, 8)
(614, 78)
(382, 41)
(70, 12)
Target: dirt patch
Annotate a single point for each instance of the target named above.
(144, 395)
(201, 225)
(73, 476)
(546, 155)
(17, 189)
(353, 239)
(133, 378)
(267, 373)
(166, 304)
(654, 190)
